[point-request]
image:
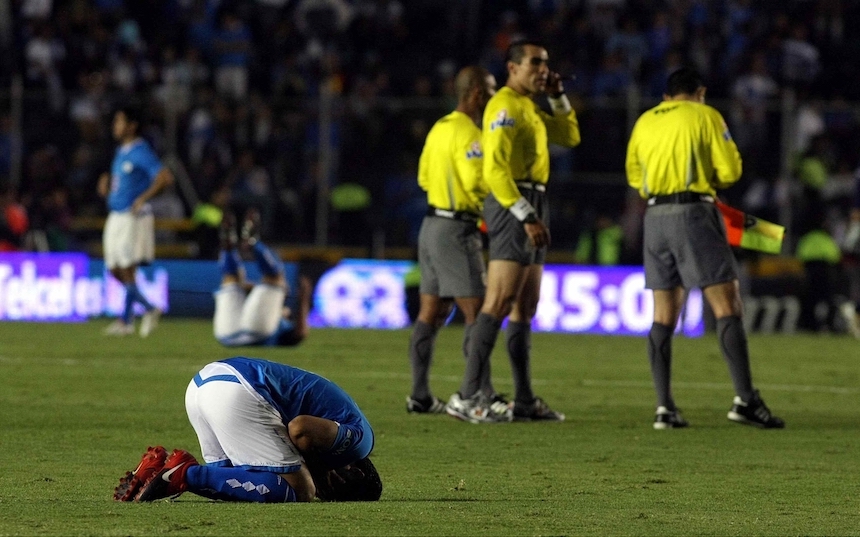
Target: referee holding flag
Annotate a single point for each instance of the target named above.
(679, 154)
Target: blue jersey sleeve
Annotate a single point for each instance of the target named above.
(149, 161)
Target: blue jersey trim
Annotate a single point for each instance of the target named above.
(226, 463)
(275, 469)
(200, 381)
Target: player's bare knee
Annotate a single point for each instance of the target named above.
(499, 306)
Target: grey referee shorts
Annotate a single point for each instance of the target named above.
(508, 238)
(450, 258)
(685, 245)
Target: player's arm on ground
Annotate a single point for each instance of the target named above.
(725, 156)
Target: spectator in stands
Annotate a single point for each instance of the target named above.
(372, 50)
(13, 220)
(751, 92)
(233, 47)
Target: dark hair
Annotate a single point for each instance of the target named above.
(683, 80)
(517, 50)
(132, 113)
(361, 483)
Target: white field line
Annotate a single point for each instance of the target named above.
(625, 383)
(590, 383)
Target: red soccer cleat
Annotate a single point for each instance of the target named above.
(170, 480)
(150, 464)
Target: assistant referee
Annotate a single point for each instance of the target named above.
(680, 153)
(449, 243)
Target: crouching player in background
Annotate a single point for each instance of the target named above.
(255, 314)
(269, 433)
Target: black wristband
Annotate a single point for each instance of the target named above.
(530, 218)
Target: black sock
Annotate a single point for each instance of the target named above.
(660, 355)
(486, 384)
(420, 356)
(482, 339)
(519, 342)
(733, 343)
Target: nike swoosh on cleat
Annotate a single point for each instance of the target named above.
(166, 475)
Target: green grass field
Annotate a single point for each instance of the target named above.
(78, 409)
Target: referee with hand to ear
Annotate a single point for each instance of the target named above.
(516, 135)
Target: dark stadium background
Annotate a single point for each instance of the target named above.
(315, 111)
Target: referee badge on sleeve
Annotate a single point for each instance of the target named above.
(474, 151)
(502, 120)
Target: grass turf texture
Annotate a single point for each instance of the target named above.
(78, 409)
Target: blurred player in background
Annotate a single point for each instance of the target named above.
(449, 243)
(269, 433)
(136, 176)
(516, 133)
(679, 153)
(255, 314)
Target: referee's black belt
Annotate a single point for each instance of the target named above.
(452, 215)
(531, 185)
(681, 197)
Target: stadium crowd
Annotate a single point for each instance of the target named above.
(233, 89)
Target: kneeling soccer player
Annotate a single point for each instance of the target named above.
(269, 433)
(248, 314)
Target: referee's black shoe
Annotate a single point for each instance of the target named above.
(432, 405)
(669, 419)
(754, 412)
(538, 410)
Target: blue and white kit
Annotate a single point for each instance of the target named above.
(240, 408)
(129, 239)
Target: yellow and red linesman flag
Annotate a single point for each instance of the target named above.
(747, 231)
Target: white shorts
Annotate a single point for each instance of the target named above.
(235, 425)
(128, 239)
(247, 320)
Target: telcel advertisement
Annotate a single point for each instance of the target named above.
(356, 293)
(37, 287)
(574, 298)
(59, 287)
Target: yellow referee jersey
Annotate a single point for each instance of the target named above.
(680, 146)
(450, 166)
(516, 134)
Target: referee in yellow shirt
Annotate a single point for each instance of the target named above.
(449, 243)
(516, 135)
(679, 153)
